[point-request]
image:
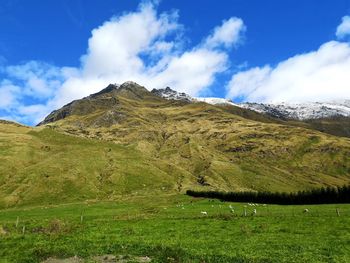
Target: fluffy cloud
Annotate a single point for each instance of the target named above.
(8, 94)
(228, 34)
(142, 46)
(320, 75)
(344, 28)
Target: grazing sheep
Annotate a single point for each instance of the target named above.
(230, 206)
(306, 210)
(204, 213)
(254, 212)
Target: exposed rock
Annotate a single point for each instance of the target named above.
(170, 94)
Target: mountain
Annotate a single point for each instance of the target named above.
(294, 111)
(302, 111)
(126, 140)
(331, 117)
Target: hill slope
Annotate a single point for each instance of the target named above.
(127, 140)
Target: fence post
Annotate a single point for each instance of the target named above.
(337, 210)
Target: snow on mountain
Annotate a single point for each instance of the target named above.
(214, 101)
(297, 111)
(170, 94)
(302, 111)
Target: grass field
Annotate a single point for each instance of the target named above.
(171, 228)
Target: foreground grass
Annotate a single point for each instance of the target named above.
(172, 229)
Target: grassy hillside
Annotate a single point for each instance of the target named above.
(131, 142)
(43, 166)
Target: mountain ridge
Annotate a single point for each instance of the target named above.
(295, 111)
(286, 111)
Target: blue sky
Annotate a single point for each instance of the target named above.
(247, 50)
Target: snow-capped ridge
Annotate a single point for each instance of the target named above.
(214, 101)
(171, 94)
(283, 110)
(302, 110)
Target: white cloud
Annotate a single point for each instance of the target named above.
(142, 46)
(37, 79)
(320, 75)
(135, 46)
(191, 72)
(344, 28)
(228, 34)
(8, 95)
(115, 47)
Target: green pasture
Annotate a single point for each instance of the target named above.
(172, 228)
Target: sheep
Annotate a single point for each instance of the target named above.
(254, 212)
(306, 210)
(204, 213)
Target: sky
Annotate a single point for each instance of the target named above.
(53, 52)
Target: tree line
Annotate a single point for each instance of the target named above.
(324, 195)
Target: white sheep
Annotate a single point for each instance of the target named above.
(306, 210)
(204, 213)
(254, 212)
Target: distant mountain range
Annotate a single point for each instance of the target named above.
(284, 110)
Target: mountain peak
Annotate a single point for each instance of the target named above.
(108, 89)
(128, 85)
